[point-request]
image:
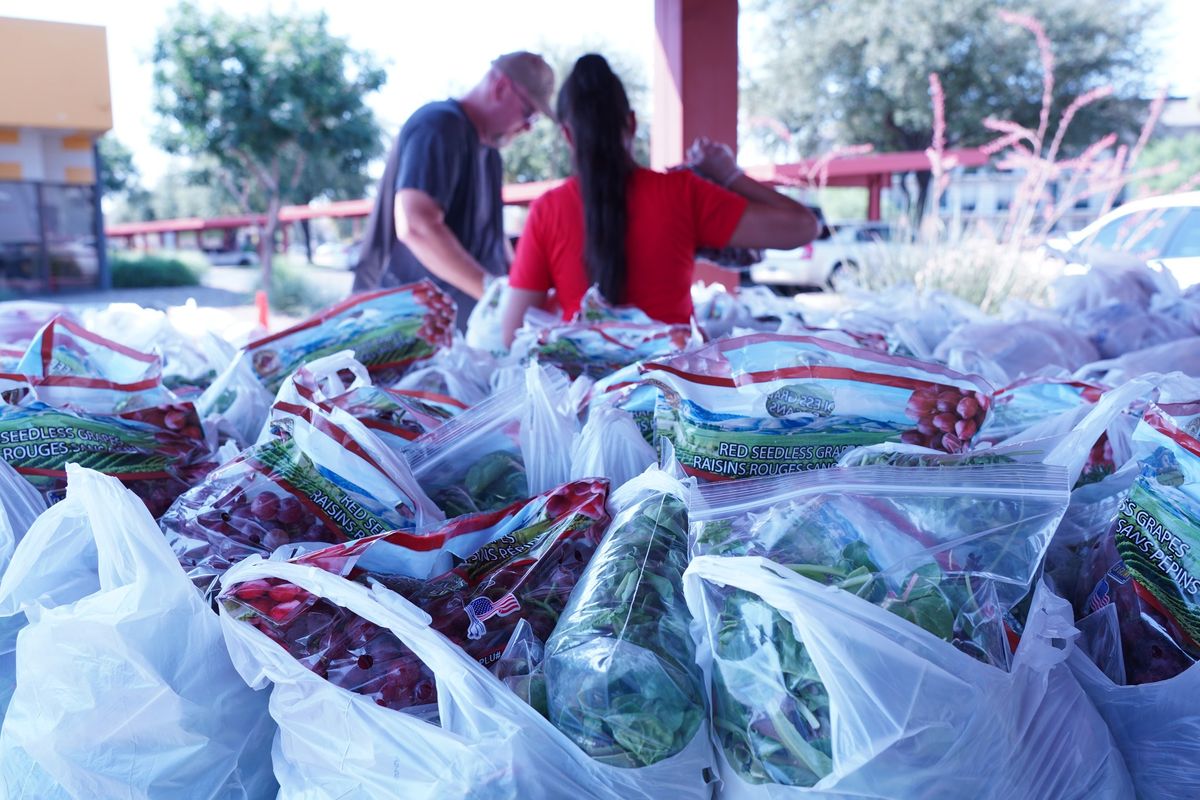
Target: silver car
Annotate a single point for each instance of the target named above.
(848, 247)
(1164, 230)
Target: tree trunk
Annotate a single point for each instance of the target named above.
(266, 244)
(923, 180)
(306, 227)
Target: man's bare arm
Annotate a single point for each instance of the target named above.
(421, 225)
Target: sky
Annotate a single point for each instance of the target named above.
(438, 49)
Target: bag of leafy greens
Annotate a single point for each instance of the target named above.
(621, 674)
(855, 702)
(766, 404)
(948, 551)
(478, 460)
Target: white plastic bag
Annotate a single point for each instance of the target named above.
(124, 688)
(490, 745)
(912, 716)
(20, 505)
(236, 404)
(1155, 725)
(483, 326)
(610, 446)
(458, 371)
(549, 427)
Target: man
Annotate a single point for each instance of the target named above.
(438, 213)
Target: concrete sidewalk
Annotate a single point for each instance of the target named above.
(228, 288)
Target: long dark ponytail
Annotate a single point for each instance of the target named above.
(593, 104)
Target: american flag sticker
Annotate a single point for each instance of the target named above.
(481, 609)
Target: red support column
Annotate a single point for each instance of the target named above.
(695, 76)
(874, 189)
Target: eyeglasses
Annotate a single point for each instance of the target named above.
(529, 111)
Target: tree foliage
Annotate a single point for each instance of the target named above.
(857, 71)
(1178, 157)
(118, 174)
(275, 102)
(542, 153)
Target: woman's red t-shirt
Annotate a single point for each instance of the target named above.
(670, 216)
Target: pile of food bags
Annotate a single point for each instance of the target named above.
(784, 551)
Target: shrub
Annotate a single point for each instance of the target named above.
(139, 270)
(295, 290)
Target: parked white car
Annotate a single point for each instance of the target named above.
(337, 255)
(1164, 230)
(232, 258)
(846, 250)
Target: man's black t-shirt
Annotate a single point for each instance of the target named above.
(438, 152)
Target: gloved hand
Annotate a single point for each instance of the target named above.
(713, 160)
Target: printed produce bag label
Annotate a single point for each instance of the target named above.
(600, 348)
(1154, 575)
(395, 415)
(388, 330)
(317, 484)
(158, 452)
(69, 365)
(767, 404)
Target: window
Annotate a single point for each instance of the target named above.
(20, 237)
(69, 213)
(1186, 241)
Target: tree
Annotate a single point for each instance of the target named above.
(267, 99)
(857, 72)
(542, 153)
(120, 180)
(1178, 157)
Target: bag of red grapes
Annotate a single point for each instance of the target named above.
(396, 416)
(389, 330)
(477, 577)
(344, 653)
(767, 404)
(1141, 621)
(323, 479)
(101, 405)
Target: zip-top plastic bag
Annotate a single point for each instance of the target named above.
(1146, 565)
(477, 577)
(124, 688)
(103, 406)
(905, 713)
(601, 338)
(459, 371)
(947, 551)
(325, 479)
(193, 353)
(339, 381)
(389, 330)
(490, 745)
(69, 366)
(620, 667)
(767, 404)
(478, 460)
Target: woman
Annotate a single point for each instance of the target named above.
(632, 231)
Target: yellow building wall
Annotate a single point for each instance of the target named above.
(53, 75)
